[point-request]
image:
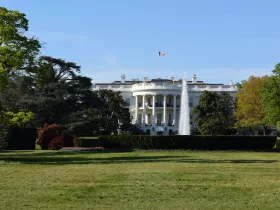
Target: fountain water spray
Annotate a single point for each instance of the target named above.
(184, 122)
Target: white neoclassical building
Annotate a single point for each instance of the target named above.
(155, 103)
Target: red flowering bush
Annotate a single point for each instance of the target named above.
(54, 132)
(57, 143)
(101, 148)
(48, 133)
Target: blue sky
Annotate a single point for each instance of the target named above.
(219, 40)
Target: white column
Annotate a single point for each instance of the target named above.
(174, 109)
(164, 109)
(154, 109)
(136, 109)
(144, 110)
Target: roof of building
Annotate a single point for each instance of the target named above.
(135, 82)
(157, 80)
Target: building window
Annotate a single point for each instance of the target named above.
(149, 119)
(169, 119)
(169, 102)
(149, 102)
(159, 118)
(127, 100)
(191, 102)
(139, 120)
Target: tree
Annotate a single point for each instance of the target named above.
(48, 70)
(17, 51)
(249, 111)
(86, 122)
(19, 94)
(240, 85)
(55, 93)
(214, 113)
(19, 119)
(106, 111)
(270, 92)
(114, 110)
(57, 88)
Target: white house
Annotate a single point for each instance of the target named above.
(155, 103)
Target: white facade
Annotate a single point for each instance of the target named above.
(155, 104)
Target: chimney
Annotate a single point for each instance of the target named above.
(194, 78)
(172, 78)
(231, 83)
(123, 78)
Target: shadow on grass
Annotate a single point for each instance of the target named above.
(58, 158)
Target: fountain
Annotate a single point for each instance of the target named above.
(184, 121)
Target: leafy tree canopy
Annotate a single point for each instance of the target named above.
(17, 50)
(19, 119)
(240, 85)
(47, 69)
(249, 105)
(68, 100)
(270, 92)
(214, 113)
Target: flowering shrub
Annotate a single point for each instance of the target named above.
(83, 148)
(54, 132)
(48, 133)
(57, 143)
(98, 148)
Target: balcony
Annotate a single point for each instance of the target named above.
(153, 86)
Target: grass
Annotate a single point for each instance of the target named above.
(139, 180)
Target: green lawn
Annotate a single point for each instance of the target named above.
(139, 180)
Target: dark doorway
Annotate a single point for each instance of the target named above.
(170, 132)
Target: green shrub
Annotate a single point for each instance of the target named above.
(277, 144)
(22, 138)
(188, 142)
(3, 138)
(17, 130)
(86, 142)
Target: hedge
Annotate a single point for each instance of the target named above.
(277, 144)
(86, 142)
(22, 138)
(181, 142)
